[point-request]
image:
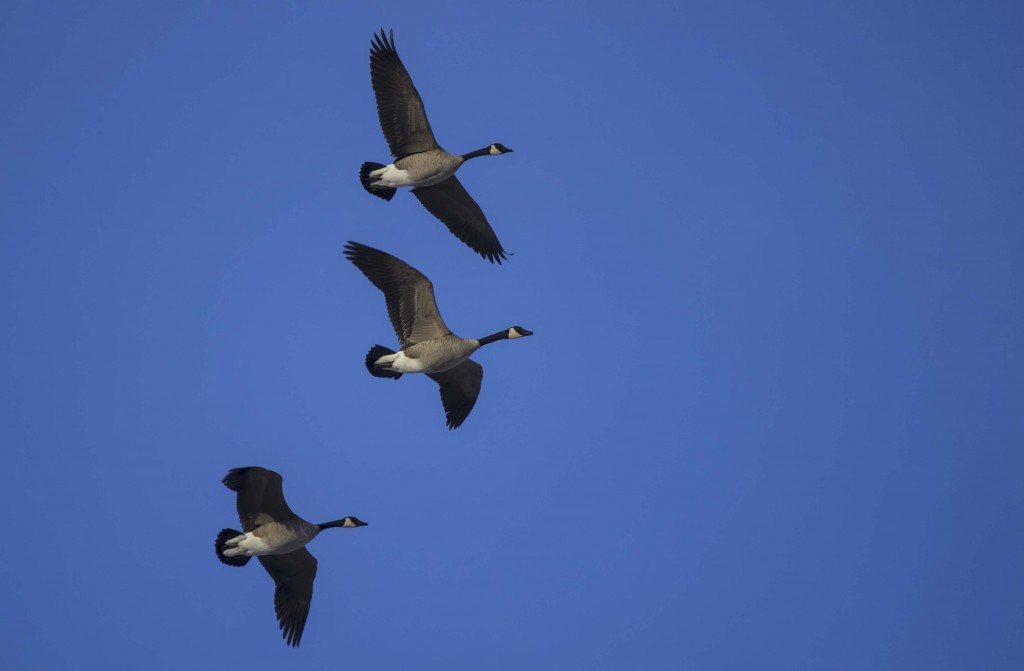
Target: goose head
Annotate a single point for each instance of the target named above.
(497, 149)
(346, 523)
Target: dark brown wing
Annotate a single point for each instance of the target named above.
(293, 575)
(452, 204)
(399, 106)
(260, 499)
(460, 387)
(407, 291)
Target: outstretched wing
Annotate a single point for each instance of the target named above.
(293, 575)
(408, 293)
(399, 106)
(449, 201)
(460, 387)
(260, 498)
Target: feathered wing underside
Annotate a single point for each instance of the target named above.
(293, 575)
(449, 201)
(426, 319)
(399, 106)
(408, 293)
(460, 387)
(260, 497)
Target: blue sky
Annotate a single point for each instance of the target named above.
(771, 417)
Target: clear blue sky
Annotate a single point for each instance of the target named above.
(772, 417)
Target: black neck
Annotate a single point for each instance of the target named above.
(331, 525)
(500, 335)
(486, 151)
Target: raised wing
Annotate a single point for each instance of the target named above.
(260, 498)
(460, 387)
(399, 106)
(293, 575)
(449, 201)
(408, 293)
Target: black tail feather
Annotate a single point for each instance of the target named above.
(379, 191)
(376, 352)
(223, 537)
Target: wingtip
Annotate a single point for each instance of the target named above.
(453, 422)
(356, 252)
(455, 417)
(293, 625)
(383, 41)
(492, 256)
(233, 480)
(352, 250)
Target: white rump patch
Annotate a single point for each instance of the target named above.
(246, 545)
(401, 363)
(391, 177)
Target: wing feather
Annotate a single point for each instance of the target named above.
(399, 106)
(293, 575)
(260, 497)
(408, 293)
(449, 201)
(460, 387)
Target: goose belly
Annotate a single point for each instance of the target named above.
(427, 168)
(441, 364)
(400, 362)
(282, 542)
(433, 177)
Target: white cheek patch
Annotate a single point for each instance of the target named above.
(348, 523)
(494, 150)
(512, 333)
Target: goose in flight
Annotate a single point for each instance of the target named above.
(425, 343)
(278, 537)
(422, 163)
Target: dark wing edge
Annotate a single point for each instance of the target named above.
(449, 201)
(293, 575)
(460, 387)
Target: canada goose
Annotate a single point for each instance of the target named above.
(278, 537)
(422, 163)
(426, 345)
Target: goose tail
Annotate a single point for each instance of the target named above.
(222, 538)
(364, 177)
(375, 353)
